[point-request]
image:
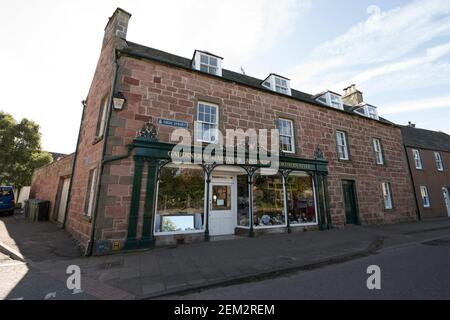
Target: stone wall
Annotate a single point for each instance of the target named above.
(154, 90)
(46, 182)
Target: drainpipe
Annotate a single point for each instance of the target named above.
(413, 184)
(90, 247)
(84, 103)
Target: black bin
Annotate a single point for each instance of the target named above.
(42, 213)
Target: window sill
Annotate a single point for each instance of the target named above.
(97, 140)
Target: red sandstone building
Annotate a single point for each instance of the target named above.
(339, 162)
(428, 155)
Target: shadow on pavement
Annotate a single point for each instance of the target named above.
(36, 242)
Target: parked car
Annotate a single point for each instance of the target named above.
(7, 201)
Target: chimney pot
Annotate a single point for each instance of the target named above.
(352, 96)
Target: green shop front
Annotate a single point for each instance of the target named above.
(199, 200)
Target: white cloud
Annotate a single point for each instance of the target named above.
(380, 46)
(431, 55)
(420, 77)
(50, 48)
(407, 106)
(235, 29)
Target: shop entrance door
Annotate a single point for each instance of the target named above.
(222, 217)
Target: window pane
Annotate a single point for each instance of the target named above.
(180, 199)
(221, 198)
(213, 61)
(243, 219)
(204, 59)
(286, 143)
(204, 68)
(438, 158)
(301, 205)
(417, 159)
(340, 139)
(212, 70)
(387, 197)
(268, 201)
(281, 89)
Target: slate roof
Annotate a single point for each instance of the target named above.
(425, 139)
(144, 52)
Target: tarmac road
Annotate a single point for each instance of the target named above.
(413, 271)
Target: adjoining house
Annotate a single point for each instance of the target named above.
(428, 154)
(51, 182)
(339, 162)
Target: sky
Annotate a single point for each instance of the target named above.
(397, 52)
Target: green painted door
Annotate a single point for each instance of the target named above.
(350, 202)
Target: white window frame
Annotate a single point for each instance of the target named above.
(439, 163)
(374, 114)
(165, 233)
(365, 109)
(387, 195)
(282, 85)
(274, 83)
(285, 135)
(200, 123)
(198, 63)
(345, 155)
(425, 196)
(417, 159)
(332, 100)
(104, 112)
(92, 188)
(335, 101)
(379, 157)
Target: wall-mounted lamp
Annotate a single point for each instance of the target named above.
(118, 101)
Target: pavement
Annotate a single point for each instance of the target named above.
(48, 251)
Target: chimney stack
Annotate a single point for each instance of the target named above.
(117, 27)
(352, 96)
(411, 125)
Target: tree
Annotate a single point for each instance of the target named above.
(20, 151)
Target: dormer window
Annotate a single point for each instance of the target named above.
(368, 111)
(278, 84)
(207, 62)
(331, 99)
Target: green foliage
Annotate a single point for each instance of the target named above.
(181, 190)
(20, 151)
